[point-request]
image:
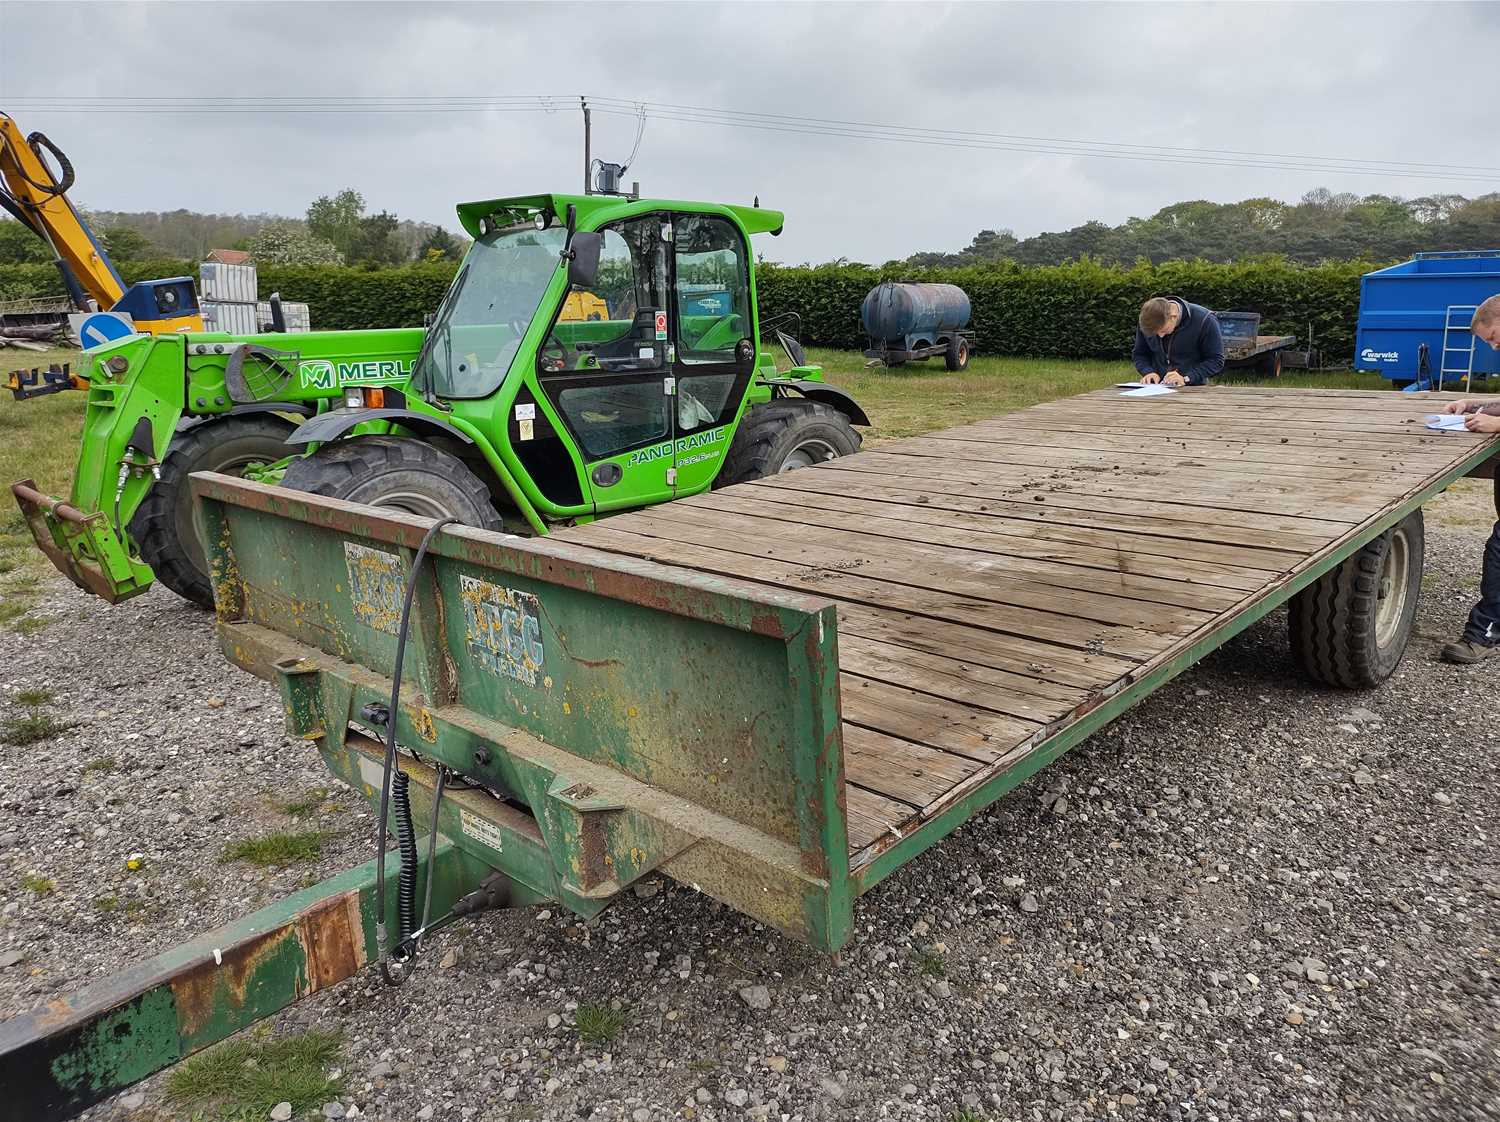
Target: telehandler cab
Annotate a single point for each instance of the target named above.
(593, 354)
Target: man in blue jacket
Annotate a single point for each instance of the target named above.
(1177, 343)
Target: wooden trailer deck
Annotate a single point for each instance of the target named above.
(998, 582)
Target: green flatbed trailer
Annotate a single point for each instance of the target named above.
(778, 692)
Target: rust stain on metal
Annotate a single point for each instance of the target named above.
(331, 938)
(196, 990)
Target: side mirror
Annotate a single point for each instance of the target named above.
(583, 258)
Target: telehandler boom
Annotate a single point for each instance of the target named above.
(38, 199)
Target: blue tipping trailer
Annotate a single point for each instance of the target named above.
(1414, 318)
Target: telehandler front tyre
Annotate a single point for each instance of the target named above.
(162, 527)
(784, 435)
(402, 472)
(1350, 627)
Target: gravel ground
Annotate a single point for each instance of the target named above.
(1247, 899)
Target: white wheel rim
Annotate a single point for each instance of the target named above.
(423, 506)
(1391, 605)
(807, 453)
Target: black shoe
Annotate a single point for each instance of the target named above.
(1468, 651)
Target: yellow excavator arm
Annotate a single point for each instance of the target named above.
(38, 199)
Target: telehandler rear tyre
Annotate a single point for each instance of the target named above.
(1350, 627)
(784, 435)
(163, 524)
(401, 472)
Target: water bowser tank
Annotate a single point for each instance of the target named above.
(898, 311)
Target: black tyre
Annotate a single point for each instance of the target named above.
(402, 472)
(163, 524)
(784, 435)
(957, 357)
(1349, 628)
(1269, 365)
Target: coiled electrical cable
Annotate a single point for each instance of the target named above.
(408, 855)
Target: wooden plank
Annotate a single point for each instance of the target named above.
(1374, 443)
(1269, 452)
(933, 721)
(1002, 523)
(1066, 558)
(1166, 459)
(871, 815)
(1226, 416)
(1050, 667)
(1114, 517)
(1065, 636)
(961, 682)
(898, 769)
(1131, 599)
(1329, 501)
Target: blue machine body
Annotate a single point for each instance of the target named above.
(1406, 305)
(159, 299)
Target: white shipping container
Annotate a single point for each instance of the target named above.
(228, 283)
(236, 319)
(298, 316)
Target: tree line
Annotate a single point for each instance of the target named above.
(1321, 226)
(336, 230)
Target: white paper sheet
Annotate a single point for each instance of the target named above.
(1149, 391)
(1446, 422)
(1129, 385)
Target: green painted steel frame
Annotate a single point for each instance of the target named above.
(627, 742)
(80, 1048)
(879, 862)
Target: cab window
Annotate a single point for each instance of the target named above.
(611, 326)
(605, 360)
(713, 288)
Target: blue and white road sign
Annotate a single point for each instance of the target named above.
(94, 329)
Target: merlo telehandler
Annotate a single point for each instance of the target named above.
(593, 354)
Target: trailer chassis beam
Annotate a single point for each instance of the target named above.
(78, 1049)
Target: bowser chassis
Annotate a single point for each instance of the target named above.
(914, 630)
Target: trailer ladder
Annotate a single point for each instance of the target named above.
(1449, 329)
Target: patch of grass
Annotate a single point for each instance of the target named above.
(35, 697)
(106, 904)
(966, 1115)
(30, 625)
(103, 763)
(38, 885)
(244, 1079)
(32, 727)
(703, 1065)
(279, 849)
(13, 609)
(308, 801)
(8, 563)
(931, 964)
(598, 1024)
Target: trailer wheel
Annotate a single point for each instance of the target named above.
(401, 472)
(1350, 627)
(957, 357)
(1270, 364)
(162, 527)
(784, 435)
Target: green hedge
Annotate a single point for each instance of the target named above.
(1078, 310)
(1082, 310)
(341, 298)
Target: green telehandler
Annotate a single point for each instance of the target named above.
(593, 354)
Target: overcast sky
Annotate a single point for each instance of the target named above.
(1379, 82)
